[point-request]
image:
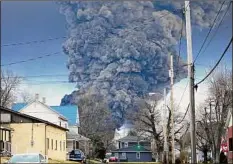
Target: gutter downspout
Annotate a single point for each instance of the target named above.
(46, 153)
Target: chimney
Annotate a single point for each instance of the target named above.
(44, 100)
(37, 97)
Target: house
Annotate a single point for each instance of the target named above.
(133, 149)
(77, 141)
(65, 116)
(129, 141)
(229, 136)
(136, 153)
(22, 133)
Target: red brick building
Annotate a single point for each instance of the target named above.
(229, 134)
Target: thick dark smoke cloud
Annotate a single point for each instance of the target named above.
(120, 49)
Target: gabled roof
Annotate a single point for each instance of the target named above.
(132, 149)
(69, 112)
(132, 139)
(38, 120)
(73, 134)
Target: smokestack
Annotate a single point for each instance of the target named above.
(43, 100)
(37, 97)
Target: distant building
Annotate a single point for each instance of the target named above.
(66, 116)
(130, 141)
(133, 149)
(22, 133)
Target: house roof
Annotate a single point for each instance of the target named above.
(32, 118)
(73, 134)
(132, 149)
(132, 139)
(70, 112)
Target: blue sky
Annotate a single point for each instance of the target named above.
(29, 21)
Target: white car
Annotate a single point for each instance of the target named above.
(107, 156)
(28, 158)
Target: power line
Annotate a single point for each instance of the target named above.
(36, 76)
(183, 94)
(36, 58)
(51, 82)
(229, 44)
(220, 23)
(184, 114)
(209, 31)
(32, 42)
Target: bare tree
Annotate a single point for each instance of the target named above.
(96, 120)
(26, 96)
(148, 120)
(9, 85)
(213, 115)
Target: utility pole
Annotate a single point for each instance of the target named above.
(191, 81)
(165, 126)
(172, 110)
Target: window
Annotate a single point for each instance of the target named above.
(138, 155)
(60, 146)
(56, 145)
(64, 146)
(126, 144)
(73, 144)
(77, 145)
(123, 155)
(47, 143)
(60, 123)
(65, 125)
(52, 144)
(230, 144)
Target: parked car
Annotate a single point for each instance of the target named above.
(113, 159)
(107, 156)
(77, 155)
(28, 158)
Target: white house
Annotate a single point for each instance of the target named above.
(65, 116)
(41, 110)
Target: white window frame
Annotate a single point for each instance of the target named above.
(126, 144)
(138, 157)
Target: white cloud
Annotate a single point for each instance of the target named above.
(52, 92)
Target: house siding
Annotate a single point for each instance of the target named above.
(131, 156)
(23, 133)
(38, 110)
(57, 135)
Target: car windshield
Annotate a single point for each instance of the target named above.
(77, 152)
(24, 158)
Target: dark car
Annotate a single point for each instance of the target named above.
(77, 155)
